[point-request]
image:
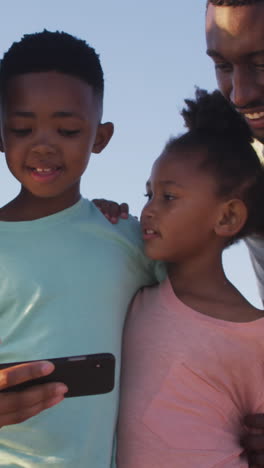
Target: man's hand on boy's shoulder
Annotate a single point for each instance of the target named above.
(18, 406)
(111, 210)
(254, 442)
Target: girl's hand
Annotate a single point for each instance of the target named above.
(112, 210)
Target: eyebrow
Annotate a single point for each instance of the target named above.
(165, 182)
(61, 114)
(214, 53)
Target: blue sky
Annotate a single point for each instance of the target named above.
(153, 54)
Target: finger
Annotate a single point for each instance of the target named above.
(110, 210)
(255, 421)
(18, 406)
(27, 413)
(253, 442)
(124, 210)
(101, 204)
(114, 210)
(17, 374)
(21, 414)
(98, 202)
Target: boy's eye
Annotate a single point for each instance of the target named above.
(21, 131)
(68, 133)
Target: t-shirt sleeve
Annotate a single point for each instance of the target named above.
(158, 270)
(155, 270)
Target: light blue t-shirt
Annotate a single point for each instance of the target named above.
(66, 281)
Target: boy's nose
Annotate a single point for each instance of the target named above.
(43, 148)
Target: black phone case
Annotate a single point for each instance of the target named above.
(91, 374)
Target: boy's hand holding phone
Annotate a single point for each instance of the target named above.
(16, 407)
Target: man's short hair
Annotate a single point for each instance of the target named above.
(233, 3)
(52, 51)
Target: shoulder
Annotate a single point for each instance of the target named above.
(127, 234)
(129, 228)
(148, 295)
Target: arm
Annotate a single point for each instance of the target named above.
(16, 407)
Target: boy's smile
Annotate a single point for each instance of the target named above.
(50, 126)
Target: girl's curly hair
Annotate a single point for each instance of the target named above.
(214, 125)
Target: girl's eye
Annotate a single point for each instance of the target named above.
(21, 131)
(148, 195)
(167, 196)
(68, 133)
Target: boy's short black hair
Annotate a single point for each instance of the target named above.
(215, 126)
(233, 3)
(52, 51)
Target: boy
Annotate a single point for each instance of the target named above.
(67, 275)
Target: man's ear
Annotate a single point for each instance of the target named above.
(103, 136)
(231, 218)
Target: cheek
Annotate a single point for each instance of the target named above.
(144, 212)
(81, 148)
(77, 165)
(224, 84)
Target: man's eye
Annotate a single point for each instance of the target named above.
(21, 131)
(223, 66)
(68, 133)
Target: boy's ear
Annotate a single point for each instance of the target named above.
(103, 136)
(232, 216)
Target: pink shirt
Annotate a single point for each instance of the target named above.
(188, 380)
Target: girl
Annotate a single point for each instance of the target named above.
(193, 362)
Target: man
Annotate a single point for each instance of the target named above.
(235, 41)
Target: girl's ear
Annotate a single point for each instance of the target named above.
(103, 136)
(231, 218)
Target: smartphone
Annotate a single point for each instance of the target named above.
(90, 374)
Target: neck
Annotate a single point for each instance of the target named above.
(198, 277)
(204, 287)
(27, 207)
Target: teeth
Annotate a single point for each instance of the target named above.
(149, 231)
(255, 115)
(38, 169)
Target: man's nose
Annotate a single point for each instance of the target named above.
(244, 90)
